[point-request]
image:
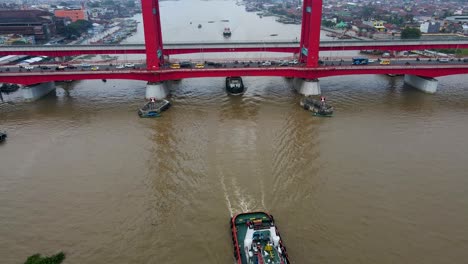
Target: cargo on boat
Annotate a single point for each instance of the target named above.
(154, 108)
(256, 239)
(318, 107)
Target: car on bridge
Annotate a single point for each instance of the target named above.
(129, 65)
(385, 62)
(85, 65)
(185, 64)
(266, 63)
(120, 66)
(29, 67)
(199, 65)
(443, 60)
(175, 66)
(95, 68)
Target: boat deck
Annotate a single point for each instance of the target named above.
(241, 227)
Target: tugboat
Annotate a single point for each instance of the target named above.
(319, 108)
(154, 108)
(3, 136)
(234, 85)
(227, 32)
(8, 88)
(256, 239)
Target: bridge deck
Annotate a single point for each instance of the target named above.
(228, 46)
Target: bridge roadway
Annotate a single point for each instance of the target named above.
(172, 48)
(330, 68)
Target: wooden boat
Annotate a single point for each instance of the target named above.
(154, 108)
(318, 107)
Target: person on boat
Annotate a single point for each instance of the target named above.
(323, 104)
(268, 247)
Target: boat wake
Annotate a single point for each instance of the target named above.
(226, 195)
(244, 204)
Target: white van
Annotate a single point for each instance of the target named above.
(443, 60)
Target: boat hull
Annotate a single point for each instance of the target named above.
(316, 107)
(239, 227)
(3, 136)
(235, 85)
(8, 88)
(154, 109)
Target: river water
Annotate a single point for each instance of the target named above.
(384, 181)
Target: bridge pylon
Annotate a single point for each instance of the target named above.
(310, 32)
(153, 34)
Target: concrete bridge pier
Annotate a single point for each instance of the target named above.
(158, 90)
(425, 84)
(36, 91)
(306, 86)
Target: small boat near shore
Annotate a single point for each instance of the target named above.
(227, 32)
(256, 239)
(154, 108)
(3, 136)
(9, 88)
(317, 107)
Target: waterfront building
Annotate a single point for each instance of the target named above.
(430, 27)
(37, 23)
(73, 13)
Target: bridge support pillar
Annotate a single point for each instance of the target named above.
(36, 91)
(307, 87)
(158, 90)
(425, 84)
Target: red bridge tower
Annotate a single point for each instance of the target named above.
(310, 32)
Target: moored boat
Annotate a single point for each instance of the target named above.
(8, 88)
(154, 108)
(234, 85)
(318, 107)
(227, 32)
(256, 239)
(3, 136)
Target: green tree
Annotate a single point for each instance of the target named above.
(94, 4)
(38, 259)
(74, 30)
(109, 3)
(367, 12)
(410, 33)
(328, 23)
